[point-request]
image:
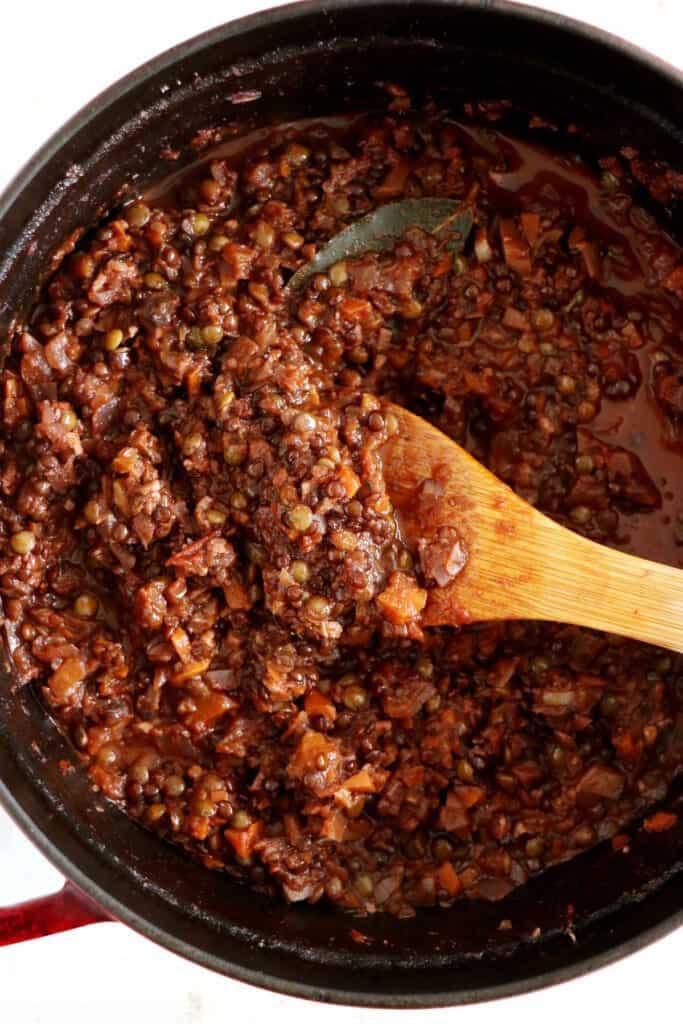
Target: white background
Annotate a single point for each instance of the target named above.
(54, 56)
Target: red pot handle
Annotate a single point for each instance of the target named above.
(68, 908)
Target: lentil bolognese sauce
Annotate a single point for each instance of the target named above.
(202, 574)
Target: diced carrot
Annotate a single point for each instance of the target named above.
(334, 826)
(403, 600)
(349, 481)
(444, 265)
(591, 258)
(316, 703)
(192, 669)
(469, 796)
(531, 225)
(317, 762)
(181, 643)
(661, 821)
(484, 383)
(627, 747)
(674, 281)
(208, 709)
(361, 782)
(127, 461)
(381, 504)
(448, 878)
(243, 840)
(193, 381)
(355, 309)
(217, 793)
(198, 827)
(312, 747)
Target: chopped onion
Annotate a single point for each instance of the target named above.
(482, 248)
(558, 698)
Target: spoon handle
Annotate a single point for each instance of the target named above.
(586, 584)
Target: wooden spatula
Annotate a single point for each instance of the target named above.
(520, 564)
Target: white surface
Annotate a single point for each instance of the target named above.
(51, 65)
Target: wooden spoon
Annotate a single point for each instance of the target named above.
(520, 564)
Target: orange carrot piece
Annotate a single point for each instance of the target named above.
(243, 840)
(661, 821)
(361, 782)
(209, 708)
(316, 703)
(531, 225)
(403, 600)
(444, 266)
(334, 827)
(448, 878)
(355, 309)
(349, 481)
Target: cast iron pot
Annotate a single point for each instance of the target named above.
(299, 61)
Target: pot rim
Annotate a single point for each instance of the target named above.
(282, 13)
(118, 908)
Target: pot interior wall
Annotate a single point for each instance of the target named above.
(299, 63)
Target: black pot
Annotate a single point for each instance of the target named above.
(296, 61)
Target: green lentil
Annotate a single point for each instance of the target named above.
(22, 542)
(113, 339)
(137, 214)
(200, 224)
(300, 517)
